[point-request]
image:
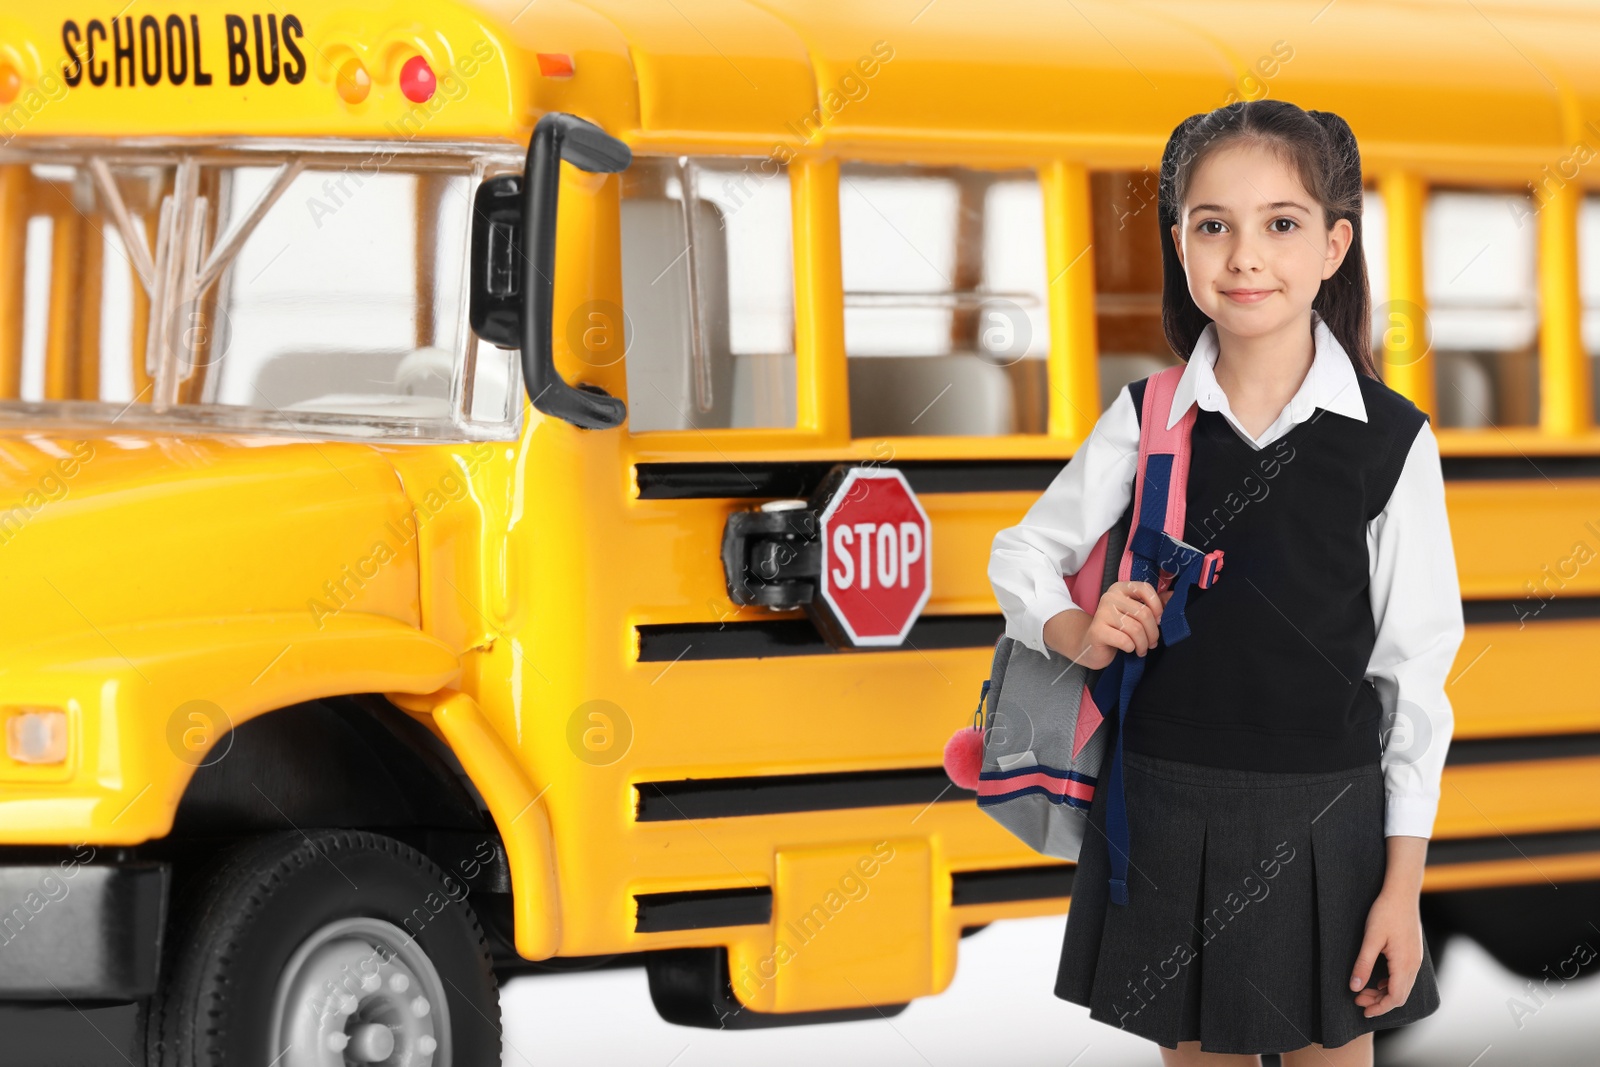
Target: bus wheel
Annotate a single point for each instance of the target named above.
(326, 948)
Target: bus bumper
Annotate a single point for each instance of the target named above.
(85, 932)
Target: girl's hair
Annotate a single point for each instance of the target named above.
(1321, 148)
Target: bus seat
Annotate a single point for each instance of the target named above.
(1118, 369)
(427, 371)
(378, 404)
(414, 383)
(764, 389)
(287, 378)
(1465, 390)
(888, 392)
(393, 383)
(655, 297)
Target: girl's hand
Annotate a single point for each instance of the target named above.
(1394, 928)
(1127, 618)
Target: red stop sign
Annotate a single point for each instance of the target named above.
(877, 553)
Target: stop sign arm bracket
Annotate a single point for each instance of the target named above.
(773, 557)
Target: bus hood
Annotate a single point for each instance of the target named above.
(103, 532)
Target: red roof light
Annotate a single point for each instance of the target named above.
(417, 80)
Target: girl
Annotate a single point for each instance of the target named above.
(1282, 763)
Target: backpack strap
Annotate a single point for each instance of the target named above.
(1086, 585)
(1156, 439)
(1155, 553)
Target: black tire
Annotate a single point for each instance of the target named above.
(248, 916)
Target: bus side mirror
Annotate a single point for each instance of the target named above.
(495, 309)
(514, 259)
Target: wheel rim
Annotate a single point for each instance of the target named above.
(360, 991)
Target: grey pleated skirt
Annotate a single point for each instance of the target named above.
(1248, 894)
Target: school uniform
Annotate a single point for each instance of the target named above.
(1270, 753)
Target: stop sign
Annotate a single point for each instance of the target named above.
(877, 556)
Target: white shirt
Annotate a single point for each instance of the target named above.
(1415, 594)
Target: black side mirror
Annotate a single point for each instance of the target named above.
(513, 263)
(495, 309)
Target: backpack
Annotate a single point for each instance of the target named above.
(1053, 725)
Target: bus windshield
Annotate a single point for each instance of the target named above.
(248, 287)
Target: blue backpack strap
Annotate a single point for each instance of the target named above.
(1153, 550)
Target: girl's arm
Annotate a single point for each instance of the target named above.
(1059, 531)
(1416, 604)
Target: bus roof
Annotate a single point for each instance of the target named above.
(1430, 82)
(1491, 90)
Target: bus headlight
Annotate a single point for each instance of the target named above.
(37, 735)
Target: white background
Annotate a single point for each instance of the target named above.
(1000, 1012)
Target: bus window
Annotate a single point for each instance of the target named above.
(344, 299)
(945, 320)
(1127, 274)
(709, 294)
(1478, 268)
(74, 298)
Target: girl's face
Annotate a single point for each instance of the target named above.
(1252, 242)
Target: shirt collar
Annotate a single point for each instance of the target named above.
(1331, 383)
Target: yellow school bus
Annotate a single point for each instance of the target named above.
(425, 427)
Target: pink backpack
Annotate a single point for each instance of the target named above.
(1036, 762)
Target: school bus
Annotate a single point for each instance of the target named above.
(421, 425)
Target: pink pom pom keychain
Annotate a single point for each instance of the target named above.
(963, 753)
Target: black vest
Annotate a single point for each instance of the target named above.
(1272, 674)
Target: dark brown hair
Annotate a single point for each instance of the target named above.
(1321, 148)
